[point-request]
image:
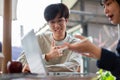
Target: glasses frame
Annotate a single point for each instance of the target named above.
(60, 21)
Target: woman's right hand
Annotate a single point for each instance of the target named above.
(85, 48)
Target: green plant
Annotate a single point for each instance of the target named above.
(105, 75)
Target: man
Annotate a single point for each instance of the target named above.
(56, 16)
(106, 59)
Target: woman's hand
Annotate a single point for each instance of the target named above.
(85, 48)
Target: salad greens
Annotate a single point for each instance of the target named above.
(105, 75)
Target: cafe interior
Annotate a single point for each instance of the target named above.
(18, 17)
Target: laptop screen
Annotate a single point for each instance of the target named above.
(33, 53)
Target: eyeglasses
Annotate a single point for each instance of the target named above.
(59, 21)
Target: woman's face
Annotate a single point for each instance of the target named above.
(58, 27)
(112, 11)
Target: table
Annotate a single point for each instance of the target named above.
(58, 76)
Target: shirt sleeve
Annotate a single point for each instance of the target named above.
(74, 62)
(22, 58)
(43, 56)
(109, 61)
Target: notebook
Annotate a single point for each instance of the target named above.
(33, 53)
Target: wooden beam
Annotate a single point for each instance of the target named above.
(7, 19)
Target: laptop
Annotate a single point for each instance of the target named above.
(33, 53)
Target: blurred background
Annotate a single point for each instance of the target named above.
(86, 18)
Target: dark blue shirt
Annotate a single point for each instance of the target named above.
(110, 61)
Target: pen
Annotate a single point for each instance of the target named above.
(61, 50)
(84, 40)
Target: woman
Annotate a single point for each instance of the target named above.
(106, 59)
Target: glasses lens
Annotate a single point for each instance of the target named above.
(60, 21)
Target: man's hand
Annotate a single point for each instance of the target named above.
(54, 52)
(26, 69)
